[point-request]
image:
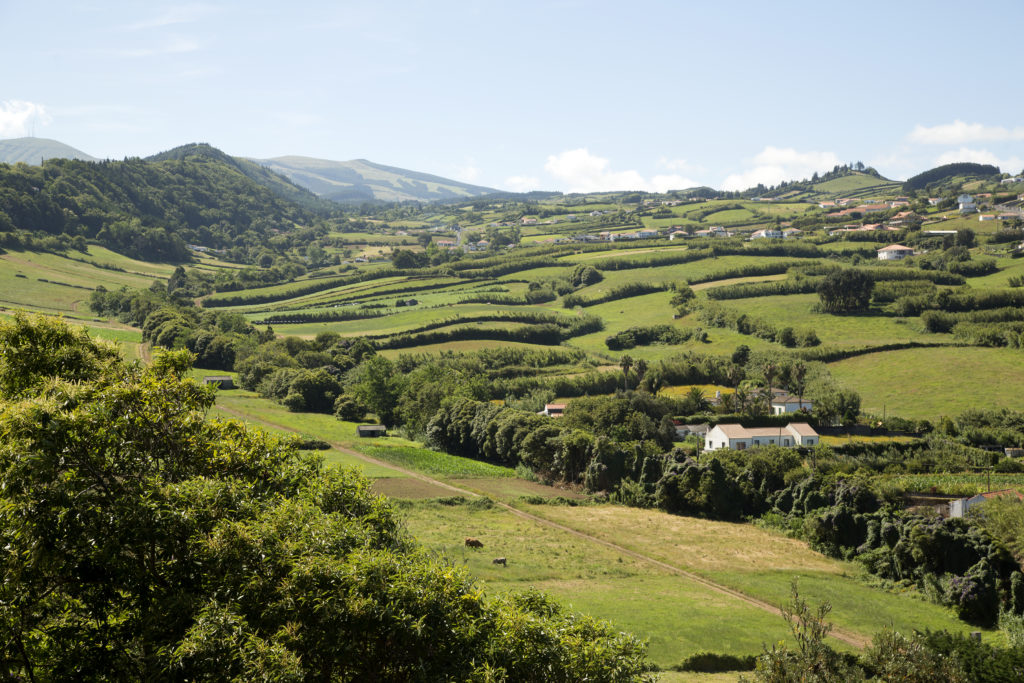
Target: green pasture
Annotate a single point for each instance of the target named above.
(757, 562)
(1008, 268)
(677, 615)
(932, 382)
(69, 281)
(850, 183)
(730, 216)
(844, 331)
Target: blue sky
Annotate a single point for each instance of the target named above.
(566, 94)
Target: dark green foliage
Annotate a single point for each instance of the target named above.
(655, 334)
(845, 291)
(714, 662)
(144, 542)
(980, 662)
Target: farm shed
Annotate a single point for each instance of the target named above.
(371, 430)
(222, 381)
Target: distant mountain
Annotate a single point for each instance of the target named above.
(34, 150)
(361, 180)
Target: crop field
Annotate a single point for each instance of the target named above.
(928, 383)
(966, 484)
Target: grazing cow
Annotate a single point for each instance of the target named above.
(500, 560)
(473, 543)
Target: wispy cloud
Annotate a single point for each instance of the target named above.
(959, 133)
(774, 165)
(172, 46)
(17, 117)
(182, 14)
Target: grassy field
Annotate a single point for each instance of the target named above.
(928, 383)
(964, 484)
(757, 562)
(677, 615)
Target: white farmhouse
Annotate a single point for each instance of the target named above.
(739, 437)
(894, 252)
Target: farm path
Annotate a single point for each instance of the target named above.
(849, 637)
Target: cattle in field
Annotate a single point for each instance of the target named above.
(474, 543)
(500, 560)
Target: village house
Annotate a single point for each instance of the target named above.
(960, 506)
(787, 403)
(677, 235)
(738, 437)
(791, 233)
(982, 217)
(220, 381)
(445, 244)
(553, 410)
(684, 430)
(767, 233)
(528, 220)
(966, 203)
(894, 252)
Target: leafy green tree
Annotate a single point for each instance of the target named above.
(845, 291)
(378, 386)
(142, 541)
(683, 298)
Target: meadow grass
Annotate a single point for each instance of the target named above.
(437, 464)
(757, 562)
(843, 331)
(70, 282)
(677, 615)
(932, 382)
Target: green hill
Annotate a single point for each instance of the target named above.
(261, 175)
(361, 180)
(34, 150)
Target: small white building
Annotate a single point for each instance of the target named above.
(738, 437)
(786, 403)
(894, 252)
(554, 409)
(960, 506)
(767, 233)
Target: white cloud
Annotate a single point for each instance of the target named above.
(774, 165)
(679, 165)
(959, 132)
(17, 118)
(577, 170)
(980, 156)
(468, 172)
(521, 183)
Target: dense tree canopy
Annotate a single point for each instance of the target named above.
(142, 541)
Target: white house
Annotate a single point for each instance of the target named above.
(767, 233)
(959, 507)
(986, 217)
(894, 252)
(553, 409)
(786, 403)
(739, 437)
(966, 203)
(791, 233)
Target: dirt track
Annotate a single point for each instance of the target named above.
(850, 638)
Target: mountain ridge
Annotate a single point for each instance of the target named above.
(34, 150)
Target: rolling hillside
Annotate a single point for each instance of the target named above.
(33, 150)
(362, 180)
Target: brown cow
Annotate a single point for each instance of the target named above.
(499, 560)
(473, 543)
